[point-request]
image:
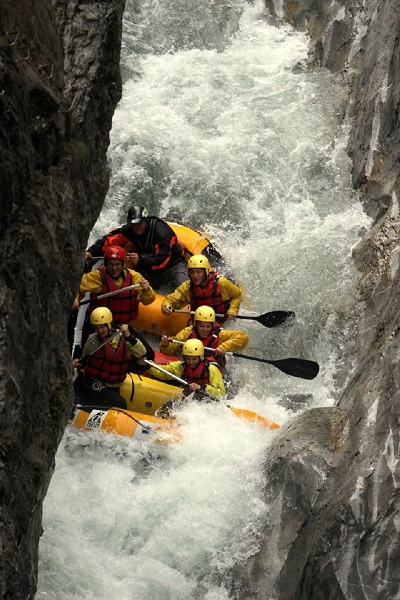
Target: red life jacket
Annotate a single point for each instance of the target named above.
(208, 295)
(124, 306)
(108, 365)
(211, 341)
(200, 374)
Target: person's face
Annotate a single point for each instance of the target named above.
(114, 267)
(138, 228)
(197, 276)
(192, 361)
(203, 329)
(101, 330)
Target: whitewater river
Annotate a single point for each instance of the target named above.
(219, 126)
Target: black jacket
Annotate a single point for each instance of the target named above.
(157, 246)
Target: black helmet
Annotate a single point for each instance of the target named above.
(137, 214)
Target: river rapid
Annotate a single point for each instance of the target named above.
(220, 126)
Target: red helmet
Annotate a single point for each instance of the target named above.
(115, 252)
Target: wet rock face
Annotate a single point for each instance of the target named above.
(359, 40)
(59, 84)
(329, 22)
(334, 532)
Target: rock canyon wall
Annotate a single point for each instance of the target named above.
(333, 477)
(59, 84)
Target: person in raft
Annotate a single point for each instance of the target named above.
(204, 287)
(201, 374)
(212, 335)
(112, 276)
(152, 248)
(105, 361)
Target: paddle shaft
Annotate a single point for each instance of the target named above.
(297, 367)
(269, 319)
(123, 289)
(192, 312)
(205, 347)
(172, 375)
(118, 332)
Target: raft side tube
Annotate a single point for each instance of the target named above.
(192, 240)
(125, 423)
(146, 395)
(151, 319)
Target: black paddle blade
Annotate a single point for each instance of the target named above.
(297, 367)
(276, 318)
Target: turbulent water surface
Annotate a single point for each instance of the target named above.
(220, 126)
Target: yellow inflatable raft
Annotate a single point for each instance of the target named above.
(126, 423)
(144, 396)
(134, 424)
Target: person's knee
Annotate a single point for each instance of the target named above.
(122, 403)
(118, 401)
(150, 354)
(180, 274)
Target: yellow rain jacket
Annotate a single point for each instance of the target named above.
(229, 291)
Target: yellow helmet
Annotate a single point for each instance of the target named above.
(193, 347)
(101, 316)
(198, 261)
(204, 313)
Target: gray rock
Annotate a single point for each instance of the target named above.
(60, 82)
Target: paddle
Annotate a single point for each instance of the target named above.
(172, 375)
(297, 367)
(118, 332)
(249, 415)
(123, 289)
(269, 319)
